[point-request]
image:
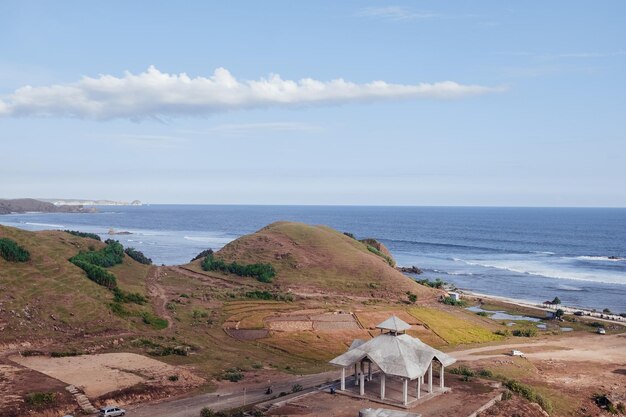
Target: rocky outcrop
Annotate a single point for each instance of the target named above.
(24, 205)
(410, 270)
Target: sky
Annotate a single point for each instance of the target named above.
(460, 103)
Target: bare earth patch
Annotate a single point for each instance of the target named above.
(99, 374)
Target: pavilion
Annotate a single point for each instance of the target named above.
(397, 355)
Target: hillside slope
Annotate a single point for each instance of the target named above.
(50, 297)
(321, 259)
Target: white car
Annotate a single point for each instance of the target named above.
(517, 353)
(111, 412)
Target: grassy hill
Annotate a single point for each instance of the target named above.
(320, 259)
(52, 298)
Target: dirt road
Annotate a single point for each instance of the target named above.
(588, 348)
(225, 399)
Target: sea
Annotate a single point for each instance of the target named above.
(529, 254)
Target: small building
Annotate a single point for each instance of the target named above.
(398, 357)
(455, 296)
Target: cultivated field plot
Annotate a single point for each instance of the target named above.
(99, 374)
(318, 322)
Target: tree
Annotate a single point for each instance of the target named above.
(559, 313)
(607, 311)
(556, 301)
(206, 412)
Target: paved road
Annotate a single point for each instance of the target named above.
(191, 406)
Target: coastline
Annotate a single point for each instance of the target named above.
(608, 318)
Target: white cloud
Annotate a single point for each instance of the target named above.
(154, 94)
(396, 13)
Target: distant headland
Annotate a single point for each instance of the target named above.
(27, 205)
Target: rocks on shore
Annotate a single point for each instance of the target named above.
(410, 270)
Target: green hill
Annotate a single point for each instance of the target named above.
(51, 297)
(320, 259)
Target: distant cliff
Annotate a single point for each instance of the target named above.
(79, 202)
(23, 205)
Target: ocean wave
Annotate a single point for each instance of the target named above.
(544, 252)
(535, 268)
(206, 238)
(600, 258)
(60, 226)
(449, 245)
(568, 288)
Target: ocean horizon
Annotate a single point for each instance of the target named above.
(525, 253)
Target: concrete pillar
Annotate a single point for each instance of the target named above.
(343, 379)
(405, 391)
(356, 375)
(369, 371)
(430, 377)
(382, 386)
(362, 384)
(441, 374)
(419, 388)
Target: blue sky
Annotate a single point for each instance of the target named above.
(479, 103)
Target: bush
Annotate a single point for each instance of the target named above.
(203, 254)
(483, 313)
(128, 297)
(375, 251)
(83, 234)
(529, 393)
(110, 255)
(154, 321)
(412, 297)
(438, 283)
(453, 302)
(233, 375)
(173, 378)
(462, 370)
(207, 412)
(262, 272)
(65, 354)
(524, 332)
(40, 399)
(138, 256)
(507, 395)
(119, 310)
(96, 273)
(502, 332)
(12, 252)
(296, 388)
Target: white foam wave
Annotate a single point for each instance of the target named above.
(568, 288)
(209, 239)
(550, 270)
(45, 225)
(544, 252)
(600, 258)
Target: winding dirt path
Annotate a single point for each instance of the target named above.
(158, 294)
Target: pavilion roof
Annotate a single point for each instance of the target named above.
(394, 324)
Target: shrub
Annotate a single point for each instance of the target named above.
(83, 234)
(262, 272)
(483, 313)
(12, 252)
(485, 373)
(203, 254)
(502, 332)
(375, 251)
(65, 354)
(173, 378)
(138, 256)
(296, 388)
(233, 375)
(257, 365)
(507, 395)
(128, 297)
(529, 393)
(462, 370)
(154, 321)
(110, 255)
(453, 302)
(438, 283)
(412, 297)
(207, 412)
(524, 332)
(96, 273)
(40, 399)
(119, 310)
